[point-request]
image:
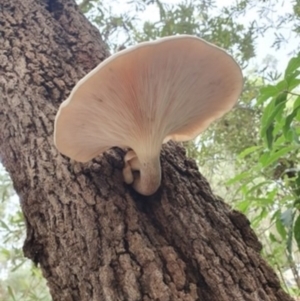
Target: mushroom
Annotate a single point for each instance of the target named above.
(143, 96)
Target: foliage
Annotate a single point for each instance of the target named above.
(270, 189)
(19, 279)
(198, 17)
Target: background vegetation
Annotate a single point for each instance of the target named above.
(251, 156)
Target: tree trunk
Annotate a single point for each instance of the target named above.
(93, 236)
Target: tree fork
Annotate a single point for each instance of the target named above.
(93, 236)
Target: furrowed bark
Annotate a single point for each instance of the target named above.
(93, 236)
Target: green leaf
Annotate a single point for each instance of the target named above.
(268, 117)
(4, 226)
(257, 187)
(264, 158)
(266, 93)
(5, 252)
(297, 103)
(258, 218)
(293, 65)
(287, 126)
(11, 293)
(280, 228)
(262, 201)
(238, 178)
(289, 242)
(281, 98)
(297, 231)
(243, 206)
(249, 151)
(282, 85)
(268, 111)
(293, 81)
(274, 156)
(269, 136)
(273, 238)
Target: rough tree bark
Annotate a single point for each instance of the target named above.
(93, 236)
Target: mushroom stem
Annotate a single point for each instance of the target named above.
(145, 174)
(148, 180)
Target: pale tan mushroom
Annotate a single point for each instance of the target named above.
(172, 88)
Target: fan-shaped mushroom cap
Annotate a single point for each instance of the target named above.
(172, 88)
